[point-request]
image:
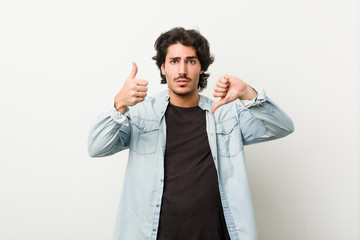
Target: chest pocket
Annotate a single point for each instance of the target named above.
(228, 138)
(144, 136)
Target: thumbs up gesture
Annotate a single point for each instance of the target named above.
(230, 88)
(133, 91)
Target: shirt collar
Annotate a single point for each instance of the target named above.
(204, 103)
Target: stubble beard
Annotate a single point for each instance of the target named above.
(183, 94)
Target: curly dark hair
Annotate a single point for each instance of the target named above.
(191, 38)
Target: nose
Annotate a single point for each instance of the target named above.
(182, 68)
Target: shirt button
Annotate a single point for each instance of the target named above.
(214, 158)
(157, 205)
(154, 229)
(144, 129)
(161, 180)
(162, 113)
(225, 206)
(231, 229)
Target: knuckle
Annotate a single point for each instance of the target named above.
(133, 96)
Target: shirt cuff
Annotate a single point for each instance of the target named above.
(117, 116)
(257, 100)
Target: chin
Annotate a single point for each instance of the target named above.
(183, 92)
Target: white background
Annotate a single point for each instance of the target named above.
(61, 62)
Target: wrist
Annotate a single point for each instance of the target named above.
(121, 108)
(249, 93)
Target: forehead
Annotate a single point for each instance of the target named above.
(179, 50)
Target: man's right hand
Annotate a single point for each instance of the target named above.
(133, 91)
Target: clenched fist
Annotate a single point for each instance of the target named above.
(231, 88)
(132, 92)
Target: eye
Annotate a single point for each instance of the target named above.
(173, 61)
(191, 61)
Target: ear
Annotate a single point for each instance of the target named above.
(201, 72)
(163, 69)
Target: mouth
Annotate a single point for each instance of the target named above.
(182, 81)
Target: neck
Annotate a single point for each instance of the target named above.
(186, 101)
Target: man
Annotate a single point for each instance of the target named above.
(186, 176)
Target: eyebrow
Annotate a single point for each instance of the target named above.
(188, 57)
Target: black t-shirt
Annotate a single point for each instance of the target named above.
(191, 206)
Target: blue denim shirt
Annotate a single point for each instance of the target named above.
(142, 130)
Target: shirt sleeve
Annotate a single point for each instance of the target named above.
(262, 120)
(109, 134)
(257, 100)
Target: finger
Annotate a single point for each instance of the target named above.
(134, 71)
(140, 94)
(141, 89)
(141, 82)
(139, 99)
(218, 104)
(222, 83)
(224, 80)
(221, 86)
(217, 94)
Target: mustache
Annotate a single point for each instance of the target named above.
(183, 77)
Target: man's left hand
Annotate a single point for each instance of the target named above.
(230, 88)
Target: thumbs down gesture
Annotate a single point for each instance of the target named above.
(230, 88)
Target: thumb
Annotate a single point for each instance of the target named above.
(219, 103)
(134, 71)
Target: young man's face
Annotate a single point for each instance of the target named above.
(182, 70)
